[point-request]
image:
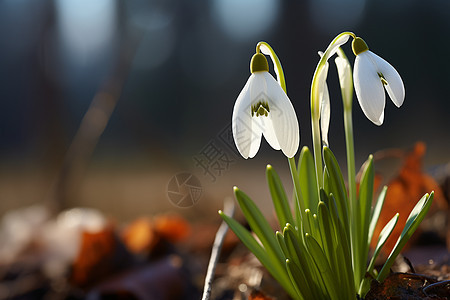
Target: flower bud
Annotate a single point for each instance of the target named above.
(359, 46)
(259, 63)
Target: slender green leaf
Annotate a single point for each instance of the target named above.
(363, 221)
(336, 185)
(382, 238)
(298, 202)
(260, 226)
(326, 179)
(415, 218)
(298, 280)
(308, 180)
(310, 226)
(300, 256)
(343, 249)
(282, 243)
(376, 214)
(249, 241)
(280, 201)
(327, 233)
(323, 266)
(331, 248)
(294, 246)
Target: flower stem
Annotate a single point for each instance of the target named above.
(315, 124)
(296, 180)
(347, 99)
(348, 125)
(317, 146)
(315, 105)
(265, 48)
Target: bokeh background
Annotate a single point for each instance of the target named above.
(102, 102)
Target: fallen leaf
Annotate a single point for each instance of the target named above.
(172, 227)
(410, 184)
(140, 236)
(258, 295)
(401, 286)
(101, 254)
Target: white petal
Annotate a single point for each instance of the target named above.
(247, 137)
(368, 88)
(284, 119)
(395, 87)
(345, 79)
(269, 132)
(324, 104)
(255, 141)
(325, 112)
(259, 92)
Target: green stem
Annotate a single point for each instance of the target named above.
(315, 109)
(348, 125)
(296, 181)
(277, 64)
(315, 124)
(347, 99)
(281, 80)
(317, 146)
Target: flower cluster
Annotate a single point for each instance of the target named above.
(322, 248)
(263, 108)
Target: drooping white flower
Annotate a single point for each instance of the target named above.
(263, 108)
(324, 96)
(325, 106)
(371, 73)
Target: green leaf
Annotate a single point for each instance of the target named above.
(415, 217)
(280, 201)
(299, 255)
(249, 241)
(382, 238)
(282, 243)
(280, 274)
(260, 226)
(336, 185)
(323, 266)
(363, 217)
(376, 214)
(294, 246)
(327, 233)
(326, 179)
(334, 251)
(298, 279)
(297, 199)
(343, 250)
(308, 180)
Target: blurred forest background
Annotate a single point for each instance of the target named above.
(160, 78)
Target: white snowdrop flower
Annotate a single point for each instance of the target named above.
(371, 73)
(325, 107)
(263, 108)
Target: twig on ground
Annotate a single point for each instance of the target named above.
(217, 246)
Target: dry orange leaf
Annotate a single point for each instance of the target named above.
(100, 254)
(401, 286)
(172, 227)
(403, 193)
(144, 234)
(140, 236)
(258, 295)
